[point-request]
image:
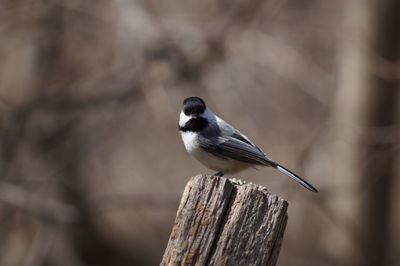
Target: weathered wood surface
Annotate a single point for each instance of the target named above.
(226, 222)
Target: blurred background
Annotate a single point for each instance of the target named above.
(92, 166)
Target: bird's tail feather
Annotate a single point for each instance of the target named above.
(295, 177)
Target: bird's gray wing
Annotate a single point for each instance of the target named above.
(235, 148)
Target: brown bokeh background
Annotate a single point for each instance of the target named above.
(93, 167)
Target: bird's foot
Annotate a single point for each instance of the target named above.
(219, 174)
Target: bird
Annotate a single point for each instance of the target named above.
(219, 146)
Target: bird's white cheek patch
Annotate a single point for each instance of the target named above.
(183, 119)
(190, 140)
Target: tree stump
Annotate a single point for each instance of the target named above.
(224, 221)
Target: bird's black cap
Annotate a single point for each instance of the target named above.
(193, 106)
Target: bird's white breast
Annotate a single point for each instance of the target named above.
(190, 140)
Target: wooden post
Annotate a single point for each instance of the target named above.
(223, 221)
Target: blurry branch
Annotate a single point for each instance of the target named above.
(169, 51)
(73, 46)
(239, 13)
(386, 69)
(42, 243)
(294, 67)
(232, 14)
(15, 123)
(367, 99)
(383, 135)
(48, 124)
(43, 208)
(63, 102)
(139, 201)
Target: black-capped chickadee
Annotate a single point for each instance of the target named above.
(219, 146)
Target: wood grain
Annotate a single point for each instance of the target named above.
(222, 221)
